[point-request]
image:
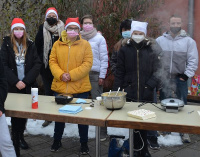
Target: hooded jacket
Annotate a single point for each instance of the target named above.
(3, 86)
(136, 70)
(75, 59)
(100, 55)
(180, 54)
(32, 65)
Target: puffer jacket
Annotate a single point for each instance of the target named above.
(100, 55)
(32, 65)
(3, 86)
(137, 69)
(180, 54)
(76, 60)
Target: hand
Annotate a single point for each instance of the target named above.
(182, 79)
(20, 85)
(66, 77)
(101, 82)
(1, 113)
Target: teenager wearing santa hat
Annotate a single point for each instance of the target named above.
(137, 65)
(70, 62)
(47, 34)
(22, 66)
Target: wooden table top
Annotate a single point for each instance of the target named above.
(173, 122)
(19, 105)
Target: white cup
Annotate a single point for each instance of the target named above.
(99, 100)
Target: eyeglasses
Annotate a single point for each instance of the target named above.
(52, 16)
(76, 29)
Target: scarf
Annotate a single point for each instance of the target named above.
(56, 30)
(88, 35)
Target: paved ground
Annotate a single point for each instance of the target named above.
(40, 147)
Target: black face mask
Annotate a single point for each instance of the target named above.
(175, 30)
(51, 21)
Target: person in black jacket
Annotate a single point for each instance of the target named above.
(22, 66)
(48, 33)
(6, 146)
(136, 73)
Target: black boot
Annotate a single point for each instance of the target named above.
(15, 139)
(145, 152)
(23, 144)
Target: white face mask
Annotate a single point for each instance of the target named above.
(138, 38)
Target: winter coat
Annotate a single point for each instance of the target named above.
(76, 60)
(39, 43)
(3, 86)
(137, 66)
(32, 65)
(180, 54)
(100, 55)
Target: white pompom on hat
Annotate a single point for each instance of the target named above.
(72, 21)
(17, 22)
(51, 10)
(139, 26)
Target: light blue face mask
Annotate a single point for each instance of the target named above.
(126, 34)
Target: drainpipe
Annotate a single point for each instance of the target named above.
(191, 17)
(190, 25)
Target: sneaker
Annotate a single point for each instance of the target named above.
(56, 145)
(185, 138)
(84, 148)
(153, 142)
(103, 138)
(46, 123)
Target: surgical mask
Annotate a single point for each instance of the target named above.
(51, 21)
(138, 38)
(72, 33)
(18, 33)
(126, 34)
(175, 30)
(88, 27)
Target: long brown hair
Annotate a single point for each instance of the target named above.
(23, 41)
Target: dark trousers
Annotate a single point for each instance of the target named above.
(47, 79)
(83, 129)
(138, 141)
(178, 86)
(17, 130)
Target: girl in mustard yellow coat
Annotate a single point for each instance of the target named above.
(70, 62)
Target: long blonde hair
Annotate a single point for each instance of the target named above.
(23, 40)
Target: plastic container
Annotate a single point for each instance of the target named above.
(34, 96)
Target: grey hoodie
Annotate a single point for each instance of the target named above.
(180, 54)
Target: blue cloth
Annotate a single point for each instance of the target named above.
(70, 109)
(80, 101)
(83, 129)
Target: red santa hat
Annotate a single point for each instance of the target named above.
(17, 22)
(72, 21)
(51, 10)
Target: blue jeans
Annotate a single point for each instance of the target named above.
(180, 88)
(83, 129)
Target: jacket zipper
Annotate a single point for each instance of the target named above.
(138, 75)
(172, 52)
(67, 66)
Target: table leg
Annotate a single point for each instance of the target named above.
(97, 132)
(131, 136)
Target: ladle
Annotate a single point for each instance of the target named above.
(117, 91)
(109, 93)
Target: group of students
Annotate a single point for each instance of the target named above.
(75, 62)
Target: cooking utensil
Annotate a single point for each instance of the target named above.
(63, 98)
(117, 91)
(109, 93)
(172, 105)
(112, 102)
